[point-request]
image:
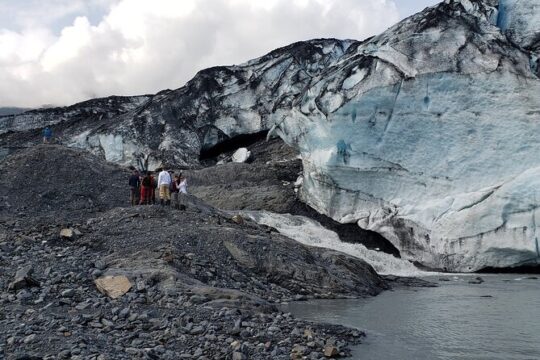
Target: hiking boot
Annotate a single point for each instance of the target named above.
(162, 202)
(168, 203)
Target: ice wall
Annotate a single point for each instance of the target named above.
(429, 135)
(520, 20)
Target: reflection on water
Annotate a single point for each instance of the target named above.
(499, 319)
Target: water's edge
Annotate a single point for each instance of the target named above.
(456, 320)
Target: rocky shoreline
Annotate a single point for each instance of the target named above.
(182, 304)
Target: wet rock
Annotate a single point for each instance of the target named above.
(100, 265)
(30, 338)
(330, 351)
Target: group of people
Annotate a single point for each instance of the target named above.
(170, 186)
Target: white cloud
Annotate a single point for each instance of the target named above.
(142, 46)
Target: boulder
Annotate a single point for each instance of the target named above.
(113, 286)
(330, 351)
(241, 155)
(67, 233)
(238, 219)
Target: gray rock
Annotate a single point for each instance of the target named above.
(23, 279)
(100, 265)
(30, 339)
(238, 356)
(68, 293)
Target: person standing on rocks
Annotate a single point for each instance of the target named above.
(146, 189)
(153, 191)
(134, 185)
(47, 135)
(164, 183)
(182, 190)
(174, 192)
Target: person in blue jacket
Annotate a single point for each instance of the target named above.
(47, 135)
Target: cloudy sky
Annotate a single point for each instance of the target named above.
(63, 51)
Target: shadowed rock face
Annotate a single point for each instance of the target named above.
(424, 133)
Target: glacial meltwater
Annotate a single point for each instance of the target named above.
(498, 319)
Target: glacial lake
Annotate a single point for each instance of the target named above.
(498, 319)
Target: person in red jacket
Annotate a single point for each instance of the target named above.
(146, 189)
(154, 186)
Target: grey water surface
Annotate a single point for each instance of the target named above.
(498, 319)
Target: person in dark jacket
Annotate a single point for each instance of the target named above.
(154, 187)
(134, 186)
(174, 192)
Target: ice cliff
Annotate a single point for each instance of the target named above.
(429, 135)
(426, 133)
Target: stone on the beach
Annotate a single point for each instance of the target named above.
(330, 351)
(113, 286)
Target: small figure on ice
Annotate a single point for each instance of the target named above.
(47, 135)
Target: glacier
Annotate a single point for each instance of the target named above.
(426, 133)
(434, 143)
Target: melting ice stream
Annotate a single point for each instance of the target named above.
(312, 233)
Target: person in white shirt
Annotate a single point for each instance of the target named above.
(182, 187)
(164, 183)
(181, 192)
